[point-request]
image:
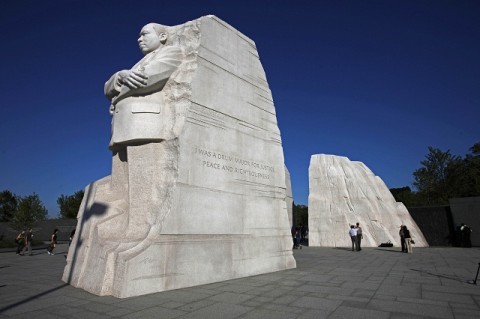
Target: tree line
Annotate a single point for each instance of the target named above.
(441, 177)
(24, 211)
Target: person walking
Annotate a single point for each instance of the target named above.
(465, 235)
(408, 239)
(53, 242)
(353, 236)
(359, 237)
(28, 242)
(20, 241)
(298, 236)
(401, 233)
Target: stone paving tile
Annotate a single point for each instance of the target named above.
(343, 312)
(364, 293)
(315, 314)
(172, 304)
(411, 308)
(316, 303)
(194, 306)
(317, 278)
(285, 300)
(297, 293)
(361, 285)
(31, 315)
(154, 312)
(462, 289)
(237, 288)
(346, 298)
(182, 295)
(88, 314)
(219, 311)
(64, 310)
(383, 297)
(119, 312)
(459, 298)
(401, 291)
(201, 290)
(99, 307)
(405, 316)
(424, 301)
(466, 313)
(231, 298)
(291, 283)
(328, 290)
(253, 303)
(269, 314)
(277, 292)
(282, 308)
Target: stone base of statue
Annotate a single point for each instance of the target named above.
(344, 192)
(206, 202)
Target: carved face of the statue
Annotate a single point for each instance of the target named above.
(149, 40)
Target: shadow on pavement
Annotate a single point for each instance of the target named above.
(21, 302)
(456, 278)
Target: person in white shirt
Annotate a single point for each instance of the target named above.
(353, 236)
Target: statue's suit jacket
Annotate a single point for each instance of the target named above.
(139, 115)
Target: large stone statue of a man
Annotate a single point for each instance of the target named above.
(196, 153)
(140, 142)
(136, 94)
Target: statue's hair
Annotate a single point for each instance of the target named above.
(159, 28)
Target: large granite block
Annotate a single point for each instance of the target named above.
(344, 192)
(197, 194)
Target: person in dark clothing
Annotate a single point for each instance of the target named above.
(20, 240)
(28, 242)
(408, 239)
(53, 242)
(294, 237)
(303, 230)
(402, 239)
(465, 232)
(359, 236)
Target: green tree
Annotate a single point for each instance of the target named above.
(473, 167)
(406, 196)
(69, 205)
(300, 213)
(8, 205)
(30, 210)
(434, 179)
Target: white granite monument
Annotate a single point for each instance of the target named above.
(197, 191)
(289, 198)
(344, 192)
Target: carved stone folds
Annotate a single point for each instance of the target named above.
(342, 193)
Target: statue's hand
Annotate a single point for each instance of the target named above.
(135, 79)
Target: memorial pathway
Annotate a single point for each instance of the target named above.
(327, 283)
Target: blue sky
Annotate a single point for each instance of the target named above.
(376, 81)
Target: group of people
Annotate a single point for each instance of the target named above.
(356, 236)
(298, 235)
(24, 241)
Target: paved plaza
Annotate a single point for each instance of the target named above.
(327, 283)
